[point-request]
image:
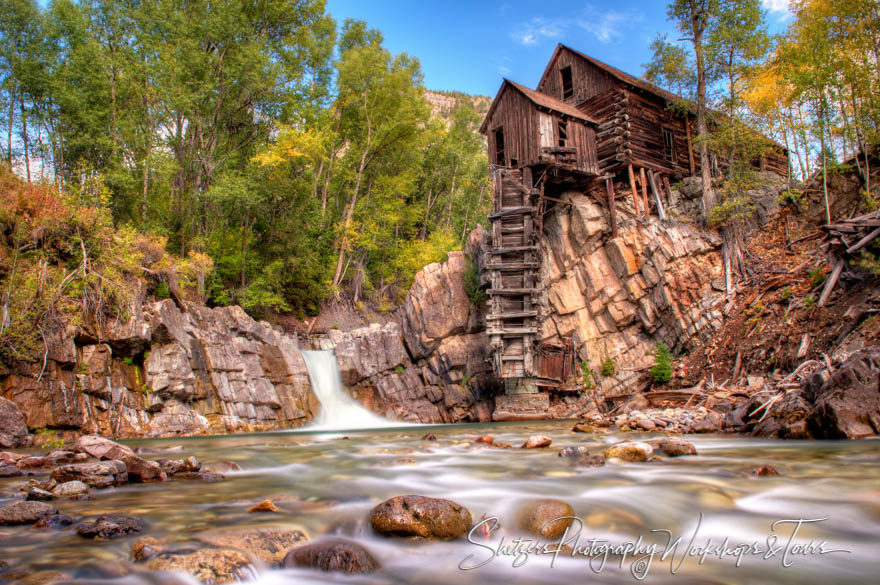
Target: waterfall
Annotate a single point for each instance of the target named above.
(339, 411)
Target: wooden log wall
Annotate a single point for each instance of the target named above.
(588, 81)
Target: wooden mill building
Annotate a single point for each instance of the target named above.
(588, 127)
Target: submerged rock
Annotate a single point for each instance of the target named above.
(591, 461)
(55, 522)
(25, 512)
(675, 447)
(547, 518)
(574, 451)
(268, 544)
(412, 515)
(207, 476)
(111, 526)
(537, 442)
(337, 555)
(36, 494)
(145, 548)
(763, 471)
(630, 452)
(207, 565)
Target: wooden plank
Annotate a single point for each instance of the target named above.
(660, 213)
(647, 207)
(635, 193)
(511, 211)
(832, 281)
(512, 249)
(517, 315)
(612, 206)
(511, 291)
(508, 331)
(510, 267)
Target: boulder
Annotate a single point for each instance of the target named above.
(675, 447)
(206, 565)
(100, 448)
(848, 405)
(547, 518)
(412, 515)
(629, 452)
(100, 475)
(537, 442)
(13, 428)
(9, 470)
(35, 494)
(109, 526)
(269, 544)
(336, 555)
(25, 512)
(436, 306)
(574, 451)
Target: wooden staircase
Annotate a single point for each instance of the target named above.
(513, 266)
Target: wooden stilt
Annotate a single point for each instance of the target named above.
(668, 190)
(612, 210)
(660, 213)
(635, 193)
(645, 192)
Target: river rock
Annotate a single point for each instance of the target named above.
(537, 442)
(100, 448)
(486, 439)
(264, 506)
(591, 461)
(13, 429)
(109, 526)
(269, 544)
(582, 427)
(25, 512)
(675, 447)
(547, 518)
(145, 548)
(763, 471)
(206, 565)
(629, 452)
(412, 515)
(9, 470)
(100, 475)
(711, 423)
(43, 578)
(203, 475)
(337, 555)
(574, 451)
(71, 489)
(55, 522)
(36, 494)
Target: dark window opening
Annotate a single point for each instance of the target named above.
(669, 145)
(567, 86)
(499, 146)
(562, 130)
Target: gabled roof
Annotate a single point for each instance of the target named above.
(614, 72)
(539, 99)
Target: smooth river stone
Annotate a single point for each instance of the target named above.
(412, 515)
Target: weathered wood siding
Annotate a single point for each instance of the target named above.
(518, 116)
(587, 80)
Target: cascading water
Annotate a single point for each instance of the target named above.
(339, 411)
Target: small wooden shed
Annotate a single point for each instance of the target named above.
(527, 128)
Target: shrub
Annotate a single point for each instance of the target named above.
(49, 438)
(609, 368)
(809, 302)
(817, 277)
(786, 293)
(472, 284)
(662, 370)
(587, 376)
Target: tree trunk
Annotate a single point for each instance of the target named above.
(349, 213)
(451, 196)
(705, 168)
(24, 136)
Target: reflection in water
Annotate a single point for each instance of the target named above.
(329, 486)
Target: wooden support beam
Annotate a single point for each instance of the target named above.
(512, 249)
(512, 292)
(517, 315)
(511, 211)
(635, 193)
(644, 182)
(612, 206)
(668, 190)
(660, 213)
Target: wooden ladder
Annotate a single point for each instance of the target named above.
(513, 267)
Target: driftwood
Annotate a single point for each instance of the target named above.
(845, 239)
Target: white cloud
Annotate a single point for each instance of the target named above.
(607, 25)
(781, 8)
(536, 30)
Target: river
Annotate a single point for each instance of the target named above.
(325, 483)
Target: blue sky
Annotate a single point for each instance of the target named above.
(470, 46)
